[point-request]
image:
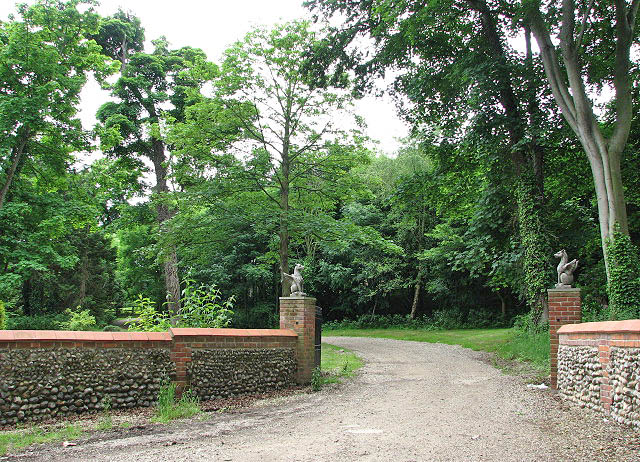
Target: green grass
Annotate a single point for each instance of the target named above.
(169, 409)
(336, 364)
(506, 343)
(16, 440)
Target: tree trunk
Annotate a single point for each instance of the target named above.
(416, 297)
(14, 159)
(284, 232)
(284, 201)
(26, 297)
(577, 108)
(170, 264)
(503, 305)
(84, 276)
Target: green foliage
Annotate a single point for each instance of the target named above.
(3, 316)
(79, 320)
(147, 317)
(529, 323)
(106, 421)
(530, 346)
(316, 379)
(202, 306)
(37, 322)
(439, 320)
(624, 277)
(168, 408)
(536, 264)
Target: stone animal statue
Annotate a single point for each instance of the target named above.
(295, 281)
(565, 269)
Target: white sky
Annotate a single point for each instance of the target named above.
(214, 25)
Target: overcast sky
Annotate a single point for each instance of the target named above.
(215, 24)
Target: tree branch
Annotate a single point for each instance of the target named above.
(583, 24)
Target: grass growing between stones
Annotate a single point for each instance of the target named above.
(509, 344)
(336, 364)
(19, 439)
(168, 408)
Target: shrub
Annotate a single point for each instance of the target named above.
(37, 322)
(201, 306)
(111, 328)
(262, 315)
(79, 320)
(316, 379)
(148, 319)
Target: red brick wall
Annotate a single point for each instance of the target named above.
(565, 307)
(299, 315)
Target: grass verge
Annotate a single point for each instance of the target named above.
(21, 438)
(336, 364)
(508, 344)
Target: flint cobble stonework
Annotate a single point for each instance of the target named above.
(624, 376)
(579, 375)
(40, 383)
(45, 374)
(219, 373)
(599, 368)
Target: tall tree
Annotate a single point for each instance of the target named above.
(457, 74)
(591, 51)
(293, 144)
(45, 57)
(153, 90)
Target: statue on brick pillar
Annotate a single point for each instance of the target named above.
(565, 270)
(294, 281)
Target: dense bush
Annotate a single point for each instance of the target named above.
(79, 320)
(201, 306)
(443, 319)
(38, 322)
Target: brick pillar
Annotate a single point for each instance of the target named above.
(565, 307)
(606, 390)
(181, 356)
(299, 315)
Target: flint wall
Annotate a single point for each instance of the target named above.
(599, 367)
(44, 374)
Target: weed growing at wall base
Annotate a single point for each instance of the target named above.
(169, 409)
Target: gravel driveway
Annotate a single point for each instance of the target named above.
(411, 402)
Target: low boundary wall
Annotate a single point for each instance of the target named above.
(599, 367)
(44, 374)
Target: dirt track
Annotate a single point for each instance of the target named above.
(411, 402)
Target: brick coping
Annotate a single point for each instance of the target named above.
(89, 336)
(632, 325)
(225, 332)
(570, 290)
